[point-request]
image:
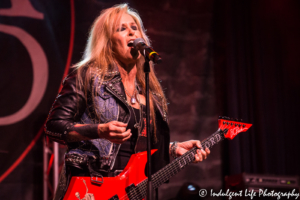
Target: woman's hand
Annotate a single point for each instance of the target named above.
(183, 147)
(114, 131)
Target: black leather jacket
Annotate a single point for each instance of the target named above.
(71, 107)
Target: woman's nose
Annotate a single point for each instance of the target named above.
(131, 32)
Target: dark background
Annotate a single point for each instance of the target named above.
(234, 58)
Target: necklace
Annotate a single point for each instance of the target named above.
(137, 125)
(132, 97)
(133, 100)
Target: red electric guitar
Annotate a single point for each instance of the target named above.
(131, 183)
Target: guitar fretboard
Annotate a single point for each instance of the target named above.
(174, 167)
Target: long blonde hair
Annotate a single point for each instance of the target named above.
(99, 52)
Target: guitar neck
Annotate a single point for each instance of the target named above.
(178, 164)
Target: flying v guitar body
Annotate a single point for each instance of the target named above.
(111, 188)
(132, 183)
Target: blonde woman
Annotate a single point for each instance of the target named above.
(100, 111)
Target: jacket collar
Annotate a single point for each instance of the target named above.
(116, 87)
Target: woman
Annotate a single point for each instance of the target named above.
(102, 104)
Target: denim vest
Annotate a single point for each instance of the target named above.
(107, 109)
(110, 94)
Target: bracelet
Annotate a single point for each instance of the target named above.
(173, 149)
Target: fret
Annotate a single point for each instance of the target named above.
(181, 162)
(177, 165)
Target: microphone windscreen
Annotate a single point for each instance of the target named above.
(138, 42)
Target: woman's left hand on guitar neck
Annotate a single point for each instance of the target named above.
(183, 147)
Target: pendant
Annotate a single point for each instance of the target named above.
(133, 100)
(136, 126)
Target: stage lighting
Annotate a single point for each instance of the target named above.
(188, 191)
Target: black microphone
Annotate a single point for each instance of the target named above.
(146, 51)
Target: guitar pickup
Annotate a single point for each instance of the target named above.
(129, 188)
(97, 180)
(114, 198)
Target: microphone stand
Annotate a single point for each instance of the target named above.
(147, 71)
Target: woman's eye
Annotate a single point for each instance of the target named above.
(121, 29)
(124, 28)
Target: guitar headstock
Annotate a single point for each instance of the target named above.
(232, 127)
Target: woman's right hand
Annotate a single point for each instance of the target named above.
(114, 131)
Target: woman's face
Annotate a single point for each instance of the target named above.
(126, 32)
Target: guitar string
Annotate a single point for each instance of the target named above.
(169, 169)
(161, 175)
(173, 168)
(204, 144)
(143, 184)
(190, 156)
(169, 173)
